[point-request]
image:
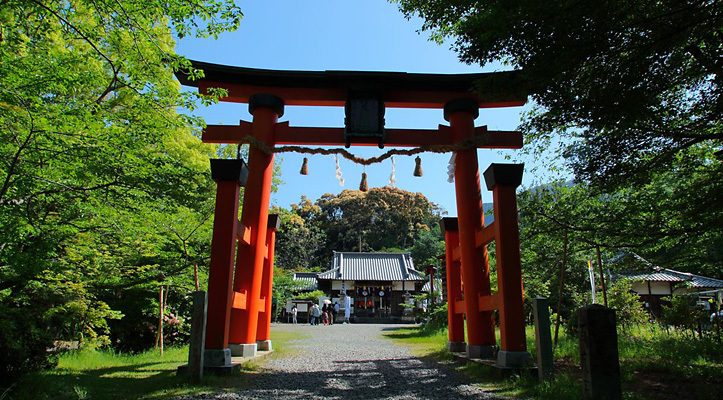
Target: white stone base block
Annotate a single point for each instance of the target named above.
(243, 349)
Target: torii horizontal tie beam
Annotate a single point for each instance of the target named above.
(311, 136)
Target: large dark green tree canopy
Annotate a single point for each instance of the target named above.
(382, 219)
(632, 85)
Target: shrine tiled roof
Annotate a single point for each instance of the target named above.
(646, 271)
(668, 275)
(305, 281)
(372, 267)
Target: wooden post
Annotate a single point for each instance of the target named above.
(481, 342)
(543, 341)
(562, 284)
(198, 336)
(266, 110)
(229, 175)
(263, 332)
(159, 337)
(455, 318)
(503, 180)
(602, 274)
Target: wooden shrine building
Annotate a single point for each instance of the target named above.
(377, 283)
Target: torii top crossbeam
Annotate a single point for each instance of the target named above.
(333, 88)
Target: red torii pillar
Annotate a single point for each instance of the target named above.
(503, 180)
(229, 175)
(266, 109)
(263, 331)
(455, 315)
(461, 114)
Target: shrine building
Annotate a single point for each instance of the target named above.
(377, 283)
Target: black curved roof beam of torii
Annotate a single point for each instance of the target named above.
(329, 88)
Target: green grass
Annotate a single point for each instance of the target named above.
(107, 375)
(654, 364)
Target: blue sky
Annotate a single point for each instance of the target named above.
(369, 35)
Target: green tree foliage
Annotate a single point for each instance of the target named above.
(626, 303)
(300, 237)
(638, 83)
(427, 246)
(684, 313)
(312, 296)
(283, 290)
(630, 95)
(381, 219)
(103, 185)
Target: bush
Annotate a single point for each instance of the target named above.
(683, 312)
(438, 318)
(311, 296)
(626, 303)
(24, 343)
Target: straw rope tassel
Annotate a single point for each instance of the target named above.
(338, 171)
(305, 167)
(363, 185)
(392, 176)
(418, 167)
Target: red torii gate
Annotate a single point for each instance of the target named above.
(239, 293)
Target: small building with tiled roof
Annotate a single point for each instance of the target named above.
(653, 283)
(305, 281)
(377, 283)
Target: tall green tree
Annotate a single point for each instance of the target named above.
(96, 165)
(632, 85)
(628, 95)
(379, 219)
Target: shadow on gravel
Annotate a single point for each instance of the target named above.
(394, 378)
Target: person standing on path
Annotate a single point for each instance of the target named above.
(315, 314)
(294, 311)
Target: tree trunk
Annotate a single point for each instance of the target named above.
(562, 284)
(602, 275)
(161, 308)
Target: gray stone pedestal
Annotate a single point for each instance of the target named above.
(457, 347)
(477, 351)
(513, 359)
(243, 349)
(216, 357)
(263, 345)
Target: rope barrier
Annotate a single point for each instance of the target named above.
(471, 143)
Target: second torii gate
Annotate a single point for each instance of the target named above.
(240, 291)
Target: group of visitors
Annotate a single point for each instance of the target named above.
(325, 314)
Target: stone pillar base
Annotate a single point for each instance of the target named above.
(216, 357)
(263, 345)
(243, 349)
(514, 359)
(478, 351)
(457, 347)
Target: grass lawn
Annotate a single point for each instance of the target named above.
(654, 365)
(106, 375)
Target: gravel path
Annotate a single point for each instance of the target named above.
(349, 362)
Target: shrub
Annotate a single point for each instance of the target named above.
(23, 342)
(626, 303)
(311, 296)
(683, 312)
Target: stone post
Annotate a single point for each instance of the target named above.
(543, 339)
(599, 357)
(198, 336)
